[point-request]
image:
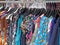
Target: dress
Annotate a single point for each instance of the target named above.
(18, 32)
(42, 35)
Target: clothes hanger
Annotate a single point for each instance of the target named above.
(23, 10)
(53, 10)
(19, 8)
(15, 12)
(50, 13)
(11, 6)
(47, 12)
(34, 11)
(30, 11)
(11, 9)
(9, 13)
(26, 12)
(38, 12)
(57, 14)
(7, 8)
(42, 11)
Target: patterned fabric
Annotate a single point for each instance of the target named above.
(41, 37)
(3, 28)
(28, 23)
(9, 32)
(37, 22)
(15, 18)
(55, 34)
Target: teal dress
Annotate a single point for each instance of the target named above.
(19, 31)
(42, 35)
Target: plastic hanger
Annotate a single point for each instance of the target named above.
(37, 13)
(9, 9)
(42, 11)
(34, 11)
(11, 6)
(30, 11)
(10, 17)
(57, 14)
(16, 10)
(25, 11)
(48, 11)
(12, 12)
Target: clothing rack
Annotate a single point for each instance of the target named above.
(13, 2)
(29, 2)
(25, 3)
(10, 2)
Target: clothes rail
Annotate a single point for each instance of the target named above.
(13, 2)
(10, 2)
(29, 2)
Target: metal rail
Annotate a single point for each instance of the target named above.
(10, 2)
(29, 2)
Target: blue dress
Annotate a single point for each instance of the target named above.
(19, 31)
(55, 37)
(51, 29)
(59, 31)
(41, 37)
